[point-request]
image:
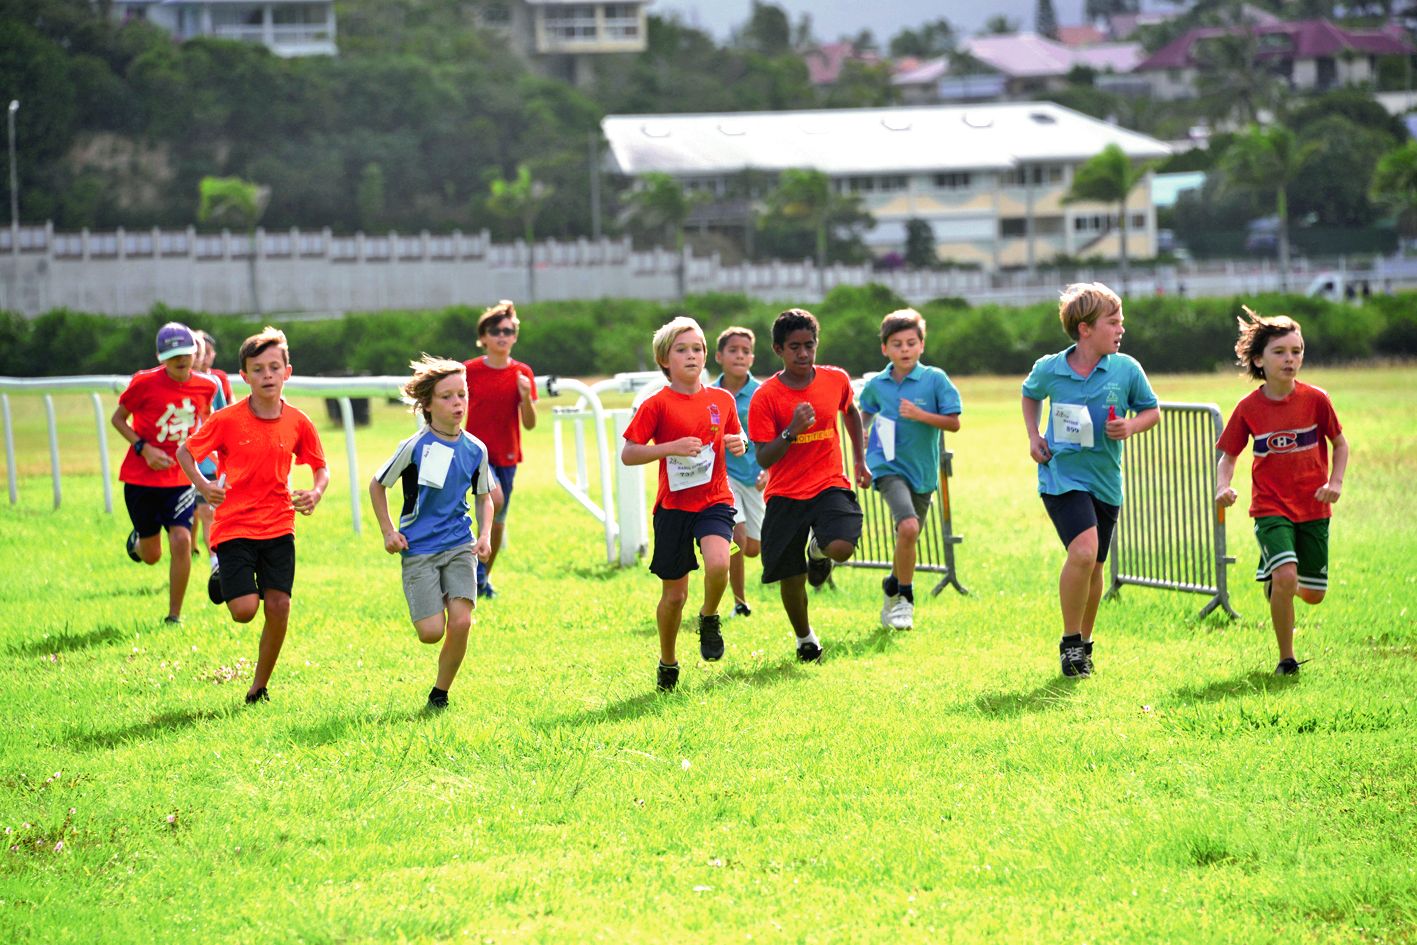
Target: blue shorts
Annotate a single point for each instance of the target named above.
(506, 477)
(153, 508)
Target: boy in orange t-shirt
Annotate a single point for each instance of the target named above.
(691, 425)
(253, 530)
(810, 506)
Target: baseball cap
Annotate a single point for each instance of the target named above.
(174, 340)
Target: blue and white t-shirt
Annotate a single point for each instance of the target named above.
(437, 475)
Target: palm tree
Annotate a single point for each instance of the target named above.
(1109, 177)
(237, 205)
(1265, 160)
(520, 200)
(807, 196)
(660, 202)
(1394, 185)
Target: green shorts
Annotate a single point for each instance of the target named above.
(1302, 543)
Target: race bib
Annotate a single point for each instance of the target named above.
(1072, 423)
(885, 435)
(686, 472)
(433, 468)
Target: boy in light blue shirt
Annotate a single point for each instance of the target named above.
(746, 478)
(909, 404)
(1091, 388)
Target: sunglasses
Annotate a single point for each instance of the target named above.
(502, 332)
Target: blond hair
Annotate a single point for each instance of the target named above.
(428, 373)
(664, 339)
(262, 340)
(902, 320)
(1083, 303)
(1256, 332)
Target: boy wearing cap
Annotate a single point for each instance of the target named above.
(160, 408)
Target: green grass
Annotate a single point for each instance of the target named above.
(939, 785)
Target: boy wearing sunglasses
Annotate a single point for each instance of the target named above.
(501, 400)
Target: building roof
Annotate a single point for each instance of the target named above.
(1084, 35)
(866, 140)
(825, 62)
(1292, 39)
(920, 72)
(1030, 56)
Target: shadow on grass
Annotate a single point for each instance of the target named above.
(67, 641)
(1236, 686)
(108, 593)
(158, 725)
(1053, 694)
(338, 728)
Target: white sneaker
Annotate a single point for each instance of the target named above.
(902, 615)
(888, 609)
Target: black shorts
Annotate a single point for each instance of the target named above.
(832, 514)
(1075, 512)
(153, 508)
(256, 565)
(675, 532)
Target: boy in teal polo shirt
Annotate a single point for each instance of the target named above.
(746, 478)
(910, 404)
(1091, 387)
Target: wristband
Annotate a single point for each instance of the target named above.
(787, 435)
(138, 446)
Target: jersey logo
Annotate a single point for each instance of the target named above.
(177, 421)
(1286, 441)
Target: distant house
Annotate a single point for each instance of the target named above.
(1015, 66)
(1308, 54)
(825, 62)
(563, 38)
(285, 27)
(988, 179)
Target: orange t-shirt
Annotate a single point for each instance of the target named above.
(669, 415)
(813, 463)
(164, 413)
(256, 455)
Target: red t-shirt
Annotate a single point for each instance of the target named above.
(255, 455)
(668, 415)
(164, 413)
(220, 375)
(1290, 438)
(494, 408)
(813, 462)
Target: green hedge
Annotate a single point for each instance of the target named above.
(1167, 334)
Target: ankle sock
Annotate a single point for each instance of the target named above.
(814, 552)
(811, 637)
(891, 586)
(908, 592)
(1073, 638)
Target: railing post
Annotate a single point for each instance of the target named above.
(103, 452)
(53, 445)
(10, 472)
(346, 413)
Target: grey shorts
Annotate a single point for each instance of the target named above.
(902, 502)
(430, 581)
(748, 507)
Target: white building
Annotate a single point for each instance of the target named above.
(285, 27)
(563, 38)
(989, 179)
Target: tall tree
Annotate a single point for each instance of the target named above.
(1267, 160)
(661, 203)
(768, 30)
(235, 204)
(1394, 185)
(920, 244)
(1109, 177)
(520, 199)
(931, 41)
(1045, 20)
(1102, 9)
(1000, 25)
(806, 197)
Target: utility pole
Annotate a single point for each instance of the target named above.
(593, 142)
(14, 182)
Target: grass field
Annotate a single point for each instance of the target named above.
(944, 784)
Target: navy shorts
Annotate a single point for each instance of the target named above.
(675, 533)
(153, 508)
(506, 476)
(832, 515)
(1075, 512)
(256, 565)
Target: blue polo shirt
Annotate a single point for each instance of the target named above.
(917, 445)
(743, 469)
(1118, 381)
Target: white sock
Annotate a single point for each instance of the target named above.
(811, 638)
(212, 558)
(813, 551)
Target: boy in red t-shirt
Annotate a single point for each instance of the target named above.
(165, 404)
(690, 426)
(501, 395)
(810, 505)
(253, 529)
(1291, 425)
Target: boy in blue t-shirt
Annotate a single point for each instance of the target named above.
(1090, 387)
(746, 478)
(910, 404)
(437, 467)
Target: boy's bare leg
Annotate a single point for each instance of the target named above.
(150, 548)
(202, 527)
(839, 550)
(1094, 600)
(794, 601)
(498, 528)
(668, 614)
(716, 564)
(277, 605)
(1283, 588)
(735, 564)
(907, 536)
(1076, 584)
(455, 645)
(179, 567)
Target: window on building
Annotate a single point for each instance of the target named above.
(953, 181)
(571, 22)
(622, 21)
(495, 14)
(1034, 174)
(1011, 227)
(1048, 226)
(1138, 221)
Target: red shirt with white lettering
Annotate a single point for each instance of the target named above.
(164, 413)
(669, 415)
(494, 408)
(1290, 446)
(813, 462)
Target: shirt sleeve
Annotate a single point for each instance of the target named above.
(1328, 418)
(848, 396)
(308, 451)
(869, 402)
(761, 424)
(644, 422)
(1035, 386)
(531, 376)
(132, 397)
(732, 426)
(947, 395)
(390, 472)
(206, 440)
(1142, 396)
(482, 479)
(1236, 435)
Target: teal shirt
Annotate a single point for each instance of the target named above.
(1118, 381)
(917, 445)
(745, 468)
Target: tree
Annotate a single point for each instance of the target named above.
(1267, 160)
(1000, 25)
(1231, 80)
(920, 244)
(931, 41)
(1109, 177)
(1394, 185)
(660, 202)
(235, 204)
(768, 30)
(1095, 10)
(806, 198)
(1045, 20)
(520, 200)
(369, 196)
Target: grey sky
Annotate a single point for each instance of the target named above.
(885, 18)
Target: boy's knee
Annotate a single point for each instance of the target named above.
(908, 529)
(244, 609)
(1311, 596)
(1082, 552)
(429, 635)
(180, 539)
(674, 597)
(751, 547)
(1286, 579)
(839, 550)
(277, 605)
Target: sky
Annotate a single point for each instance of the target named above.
(834, 18)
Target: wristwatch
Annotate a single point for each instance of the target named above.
(138, 446)
(787, 435)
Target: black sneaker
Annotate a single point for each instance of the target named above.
(214, 588)
(131, 546)
(486, 591)
(260, 695)
(741, 609)
(172, 621)
(1288, 667)
(667, 678)
(437, 700)
(808, 652)
(710, 637)
(1073, 657)
(818, 570)
(1088, 647)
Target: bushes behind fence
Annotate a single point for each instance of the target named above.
(590, 338)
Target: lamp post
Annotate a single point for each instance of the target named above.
(14, 181)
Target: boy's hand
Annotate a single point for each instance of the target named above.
(213, 492)
(482, 548)
(909, 410)
(1038, 449)
(863, 476)
(734, 443)
(156, 458)
(1328, 492)
(524, 387)
(304, 500)
(394, 542)
(1225, 497)
(762, 482)
(1119, 428)
(684, 446)
(802, 418)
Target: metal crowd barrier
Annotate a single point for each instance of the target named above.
(1171, 533)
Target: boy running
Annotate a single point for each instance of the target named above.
(437, 467)
(691, 426)
(1291, 424)
(746, 478)
(501, 400)
(810, 505)
(1091, 386)
(255, 440)
(202, 521)
(165, 404)
(911, 403)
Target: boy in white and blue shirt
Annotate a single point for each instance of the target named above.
(909, 404)
(746, 478)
